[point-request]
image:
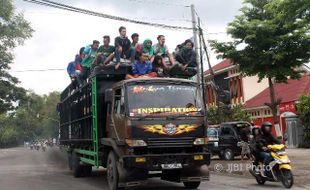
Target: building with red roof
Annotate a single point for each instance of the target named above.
(247, 91)
(288, 94)
(228, 77)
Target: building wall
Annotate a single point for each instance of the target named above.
(252, 87)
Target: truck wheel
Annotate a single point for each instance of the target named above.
(192, 184)
(70, 161)
(112, 173)
(76, 166)
(228, 154)
(87, 169)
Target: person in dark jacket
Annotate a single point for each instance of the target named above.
(266, 139)
(123, 48)
(160, 67)
(186, 57)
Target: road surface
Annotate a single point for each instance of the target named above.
(24, 169)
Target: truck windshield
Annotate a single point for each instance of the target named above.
(163, 99)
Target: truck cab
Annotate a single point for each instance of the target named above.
(159, 126)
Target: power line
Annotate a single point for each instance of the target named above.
(88, 12)
(36, 70)
(159, 3)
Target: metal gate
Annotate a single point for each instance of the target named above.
(294, 132)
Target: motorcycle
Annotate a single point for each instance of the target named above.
(278, 169)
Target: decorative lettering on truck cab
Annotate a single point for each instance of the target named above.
(169, 129)
(141, 111)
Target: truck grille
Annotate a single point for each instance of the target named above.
(170, 142)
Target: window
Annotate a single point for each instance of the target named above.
(117, 101)
(212, 132)
(227, 131)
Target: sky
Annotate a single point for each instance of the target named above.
(59, 34)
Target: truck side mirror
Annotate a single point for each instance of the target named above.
(108, 95)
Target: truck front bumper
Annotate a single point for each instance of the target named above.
(157, 162)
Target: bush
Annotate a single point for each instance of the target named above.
(303, 107)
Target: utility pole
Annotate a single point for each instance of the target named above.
(194, 23)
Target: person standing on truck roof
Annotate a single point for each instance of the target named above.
(90, 53)
(105, 51)
(141, 68)
(147, 49)
(162, 50)
(123, 47)
(135, 43)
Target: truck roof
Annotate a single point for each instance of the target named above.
(155, 80)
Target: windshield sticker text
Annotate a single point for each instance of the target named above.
(152, 89)
(164, 110)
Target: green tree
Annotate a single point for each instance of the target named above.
(303, 107)
(271, 39)
(213, 115)
(14, 29)
(237, 113)
(49, 115)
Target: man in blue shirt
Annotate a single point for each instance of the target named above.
(141, 68)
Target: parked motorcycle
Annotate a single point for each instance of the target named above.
(279, 169)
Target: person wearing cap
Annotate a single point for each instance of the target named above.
(105, 51)
(90, 53)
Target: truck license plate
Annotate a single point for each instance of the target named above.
(171, 166)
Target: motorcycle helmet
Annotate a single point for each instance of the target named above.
(256, 131)
(266, 127)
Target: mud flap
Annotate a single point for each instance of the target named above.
(131, 177)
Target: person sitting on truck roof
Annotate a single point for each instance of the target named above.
(141, 68)
(123, 47)
(71, 71)
(90, 53)
(186, 57)
(135, 43)
(162, 50)
(105, 51)
(74, 69)
(160, 67)
(78, 59)
(148, 50)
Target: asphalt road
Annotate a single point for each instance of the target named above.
(24, 169)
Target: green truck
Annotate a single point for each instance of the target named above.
(136, 129)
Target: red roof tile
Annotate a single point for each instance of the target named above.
(287, 92)
(221, 65)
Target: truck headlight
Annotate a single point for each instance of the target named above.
(136, 143)
(201, 141)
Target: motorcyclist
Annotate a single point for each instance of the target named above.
(266, 139)
(256, 138)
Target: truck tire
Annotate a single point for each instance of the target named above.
(76, 166)
(87, 169)
(112, 172)
(192, 184)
